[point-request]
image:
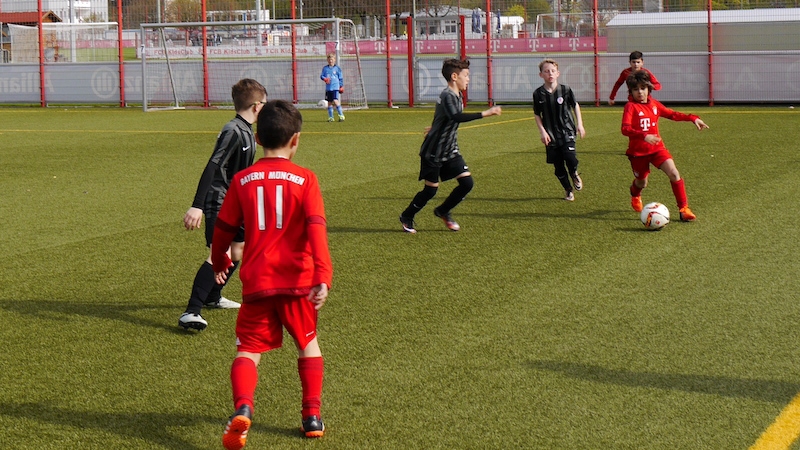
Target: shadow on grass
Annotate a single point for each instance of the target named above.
(57, 309)
(761, 390)
(601, 214)
(144, 426)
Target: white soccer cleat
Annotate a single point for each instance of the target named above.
(224, 303)
(193, 321)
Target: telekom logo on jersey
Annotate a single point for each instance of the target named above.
(644, 122)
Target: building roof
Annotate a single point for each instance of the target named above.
(28, 17)
(768, 15)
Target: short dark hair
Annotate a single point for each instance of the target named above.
(277, 122)
(638, 78)
(636, 54)
(452, 66)
(246, 92)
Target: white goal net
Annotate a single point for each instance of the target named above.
(196, 64)
(64, 42)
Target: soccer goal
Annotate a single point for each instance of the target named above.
(196, 64)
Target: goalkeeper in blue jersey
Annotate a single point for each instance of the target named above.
(334, 85)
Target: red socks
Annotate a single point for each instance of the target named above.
(311, 371)
(635, 191)
(680, 193)
(244, 377)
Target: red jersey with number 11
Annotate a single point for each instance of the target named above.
(641, 119)
(286, 243)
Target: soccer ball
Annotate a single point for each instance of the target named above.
(322, 103)
(655, 216)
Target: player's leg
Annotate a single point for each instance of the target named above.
(430, 174)
(244, 379)
(203, 284)
(338, 104)
(571, 160)
(678, 190)
(641, 170)
(258, 330)
(561, 173)
(329, 97)
(300, 319)
(455, 168)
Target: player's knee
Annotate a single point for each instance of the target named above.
(429, 191)
(466, 183)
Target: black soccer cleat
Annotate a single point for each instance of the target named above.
(235, 435)
(408, 225)
(313, 427)
(451, 224)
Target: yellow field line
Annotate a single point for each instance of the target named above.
(783, 431)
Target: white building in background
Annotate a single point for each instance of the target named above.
(70, 11)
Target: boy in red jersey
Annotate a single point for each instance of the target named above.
(286, 267)
(636, 61)
(640, 124)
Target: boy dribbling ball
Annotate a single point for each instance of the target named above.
(645, 147)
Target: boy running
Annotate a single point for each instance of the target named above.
(286, 267)
(645, 147)
(235, 150)
(439, 156)
(636, 60)
(556, 112)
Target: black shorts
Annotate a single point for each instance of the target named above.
(330, 96)
(560, 152)
(445, 171)
(211, 219)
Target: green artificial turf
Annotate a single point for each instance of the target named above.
(543, 324)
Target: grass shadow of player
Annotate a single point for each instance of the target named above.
(64, 309)
(151, 427)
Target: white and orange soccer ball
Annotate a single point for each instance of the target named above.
(655, 216)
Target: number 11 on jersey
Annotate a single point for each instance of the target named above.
(262, 221)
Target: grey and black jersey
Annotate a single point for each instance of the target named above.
(441, 142)
(556, 111)
(234, 151)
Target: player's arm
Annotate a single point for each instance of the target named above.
(579, 120)
(654, 81)
(194, 216)
(453, 110)
(628, 128)
(544, 136)
(227, 225)
(677, 116)
(324, 75)
(317, 231)
(616, 87)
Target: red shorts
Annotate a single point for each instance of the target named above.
(259, 326)
(641, 164)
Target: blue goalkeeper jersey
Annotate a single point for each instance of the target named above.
(335, 74)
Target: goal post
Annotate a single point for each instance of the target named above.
(195, 64)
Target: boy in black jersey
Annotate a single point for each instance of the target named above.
(235, 150)
(554, 106)
(439, 155)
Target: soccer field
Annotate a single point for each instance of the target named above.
(543, 324)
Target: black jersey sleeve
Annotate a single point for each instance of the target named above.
(454, 109)
(204, 185)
